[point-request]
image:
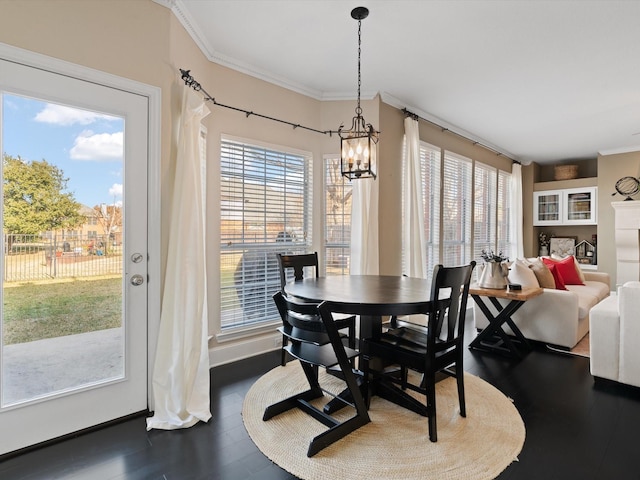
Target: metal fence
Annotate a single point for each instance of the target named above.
(35, 257)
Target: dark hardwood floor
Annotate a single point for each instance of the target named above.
(575, 430)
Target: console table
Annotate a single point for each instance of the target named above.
(493, 338)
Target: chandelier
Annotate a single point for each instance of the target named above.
(358, 145)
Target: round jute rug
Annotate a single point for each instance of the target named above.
(395, 445)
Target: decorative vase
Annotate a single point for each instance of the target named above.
(493, 275)
(544, 251)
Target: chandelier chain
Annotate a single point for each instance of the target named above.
(358, 109)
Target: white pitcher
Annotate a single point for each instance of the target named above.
(493, 275)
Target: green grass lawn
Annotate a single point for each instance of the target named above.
(38, 311)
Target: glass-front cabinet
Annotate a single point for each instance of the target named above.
(580, 206)
(571, 206)
(547, 208)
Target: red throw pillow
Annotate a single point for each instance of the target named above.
(567, 269)
(557, 277)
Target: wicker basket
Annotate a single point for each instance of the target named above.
(565, 172)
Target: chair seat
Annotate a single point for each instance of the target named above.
(406, 336)
(406, 341)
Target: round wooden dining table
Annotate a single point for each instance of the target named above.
(370, 296)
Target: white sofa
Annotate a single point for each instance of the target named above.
(615, 335)
(557, 317)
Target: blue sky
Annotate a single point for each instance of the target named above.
(87, 146)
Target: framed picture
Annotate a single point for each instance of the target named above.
(563, 246)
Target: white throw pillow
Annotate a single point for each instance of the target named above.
(519, 272)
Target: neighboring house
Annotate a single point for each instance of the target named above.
(94, 227)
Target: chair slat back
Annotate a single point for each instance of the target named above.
(304, 316)
(297, 263)
(452, 284)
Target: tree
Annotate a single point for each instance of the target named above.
(35, 198)
(110, 218)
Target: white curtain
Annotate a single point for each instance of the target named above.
(364, 228)
(181, 370)
(515, 222)
(413, 241)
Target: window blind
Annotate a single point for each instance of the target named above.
(337, 225)
(484, 217)
(456, 209)
(265, 208)
(430, 160)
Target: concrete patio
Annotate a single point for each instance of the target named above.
(40, 368)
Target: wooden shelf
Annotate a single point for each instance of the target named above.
(562, 184)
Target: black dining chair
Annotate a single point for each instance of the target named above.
(438, 348)
(315, 341)
(294, 267)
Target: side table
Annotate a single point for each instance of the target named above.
(493, 338)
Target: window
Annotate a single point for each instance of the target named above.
(456, 210)
(484, 217)
(337, 228)
(430, 168)
(447, 198)
(430, 161)
(265, 195)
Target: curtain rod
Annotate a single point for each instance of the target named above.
(416, 117)
(191, 82)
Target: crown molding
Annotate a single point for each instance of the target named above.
(616, 151)
(178, 9)
(399, 104)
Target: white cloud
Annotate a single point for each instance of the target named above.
(62, 115)
(98, 146)
(115, 190)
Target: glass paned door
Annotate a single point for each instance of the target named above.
(73, 321)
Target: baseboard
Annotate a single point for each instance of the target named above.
(250, 347)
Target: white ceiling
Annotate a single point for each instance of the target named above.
(541, 81)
